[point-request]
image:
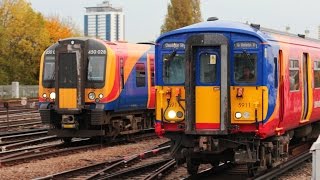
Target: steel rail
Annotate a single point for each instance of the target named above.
(284, 167)
(156, 173)
(133, 169)
(41, 154)
(99, 168)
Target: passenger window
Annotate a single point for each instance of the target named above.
(140, 75)
(294, 75)
(208, 68)
(245, 66)
(316, 71)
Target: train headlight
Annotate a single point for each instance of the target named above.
(246, 115)
(238, 115)
(172, 114)
(44, 95)
(101, 96)
(92, 96)
(179, 114)
(53, 95)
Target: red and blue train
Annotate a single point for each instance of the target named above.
(94, 88)
(228, 91)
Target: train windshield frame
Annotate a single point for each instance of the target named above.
(48, 76)
(173, 68)
(96, 70)
(245, 67)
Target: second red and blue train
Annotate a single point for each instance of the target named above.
(95, 88)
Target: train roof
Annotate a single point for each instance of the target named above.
(219, 25)
(264, 34)
(115, 44)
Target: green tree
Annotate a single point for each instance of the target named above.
(60, 28)
(181, 13)
(25, 38)
(25, 34)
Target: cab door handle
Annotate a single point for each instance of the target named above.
(216, 88)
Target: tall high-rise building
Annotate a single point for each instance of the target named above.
(105, 22)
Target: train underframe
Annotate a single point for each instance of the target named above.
(257, 154)
(89, 123)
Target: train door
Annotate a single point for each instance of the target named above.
(150, 75)
(122, 99)
(135, 89)
(281, 86)
(306, 87)
(207, 90)
(207, 84)
(69, 75)
(140, 97)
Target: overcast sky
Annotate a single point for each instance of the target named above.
(145, 17)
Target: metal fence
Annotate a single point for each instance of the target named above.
(17, 91)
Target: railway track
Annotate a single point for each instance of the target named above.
(285, 167)
(21, 132)
(19, 117)
(21, 136)
(300, 153)
(54, 147)
(148, 165)
(43, 151)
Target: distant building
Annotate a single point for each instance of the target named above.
(105, 22)
(319, 32)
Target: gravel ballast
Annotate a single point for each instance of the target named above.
(40, 168)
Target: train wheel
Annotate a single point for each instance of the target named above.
(215, 163)
(192, 166)
(252, 169)
(67, 140)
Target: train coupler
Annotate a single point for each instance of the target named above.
(69, 122)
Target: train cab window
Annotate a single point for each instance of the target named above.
(49, 67)
(294, 75)
(208, 68)
(96, 68)
(140, 75)
(245, 66)
(173, 68)
(316, 71)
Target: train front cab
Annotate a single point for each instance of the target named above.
(212, 86)
(73, 73)
(93, 88)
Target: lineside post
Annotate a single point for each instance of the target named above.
(315, 149)
(15, 89)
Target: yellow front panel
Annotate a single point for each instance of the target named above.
(207, 104)
(68, 98)
(169, 94)
(254, 98)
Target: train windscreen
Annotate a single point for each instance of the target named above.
(245, 67)
(96, 68)
(173, 69)
(67, 70)
(49, 71)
